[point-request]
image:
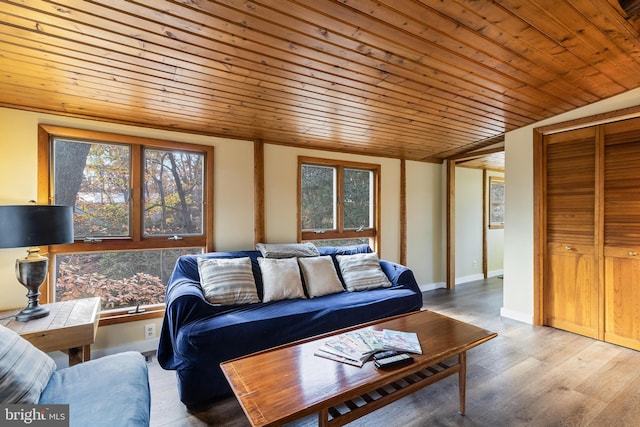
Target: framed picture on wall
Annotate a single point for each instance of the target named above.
(496, 202)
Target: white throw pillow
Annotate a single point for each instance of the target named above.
(362, 271)
(227, 281)
(280, 279)
(320, 276)
(24, 369)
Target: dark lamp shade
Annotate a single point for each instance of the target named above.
(35, 225)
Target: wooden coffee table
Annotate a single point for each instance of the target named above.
(283, 384)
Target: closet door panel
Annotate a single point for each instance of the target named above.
(571, 292)
(571, 295)
(622, 295)
(622, 233)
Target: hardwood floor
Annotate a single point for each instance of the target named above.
(527, 376)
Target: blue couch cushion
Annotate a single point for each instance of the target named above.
(110, 391)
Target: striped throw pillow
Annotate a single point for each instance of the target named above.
(362, 272)
(227, 281)
(24, 369)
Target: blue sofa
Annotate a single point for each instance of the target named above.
(197, 336)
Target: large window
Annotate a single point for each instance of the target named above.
(338, 202)
(138, 205)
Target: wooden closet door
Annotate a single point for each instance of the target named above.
(622, 233)
(571, 291)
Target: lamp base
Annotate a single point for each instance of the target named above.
(32, 272)
(31, 313)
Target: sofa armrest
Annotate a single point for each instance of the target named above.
(184, 303)
(399, 275)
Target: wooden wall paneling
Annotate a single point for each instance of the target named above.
(539, 227)
(451, 224)
(258, 192)
(485, 222)
(400, 79)
(403, 212)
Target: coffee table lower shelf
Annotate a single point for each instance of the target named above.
(353, 409)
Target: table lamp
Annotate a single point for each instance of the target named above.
(31, 226)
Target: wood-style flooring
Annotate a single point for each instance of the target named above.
(527, 376)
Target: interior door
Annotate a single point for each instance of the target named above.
(571, 290)
(622, 233)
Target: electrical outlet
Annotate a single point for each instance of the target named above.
(150, 331)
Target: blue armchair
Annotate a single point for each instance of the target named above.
(109, 391)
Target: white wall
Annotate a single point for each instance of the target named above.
(426, 232)
(518, 231)
(468, 224)
(233, 203)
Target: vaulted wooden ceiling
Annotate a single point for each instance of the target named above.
(414, 79)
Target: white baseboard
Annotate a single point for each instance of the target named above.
(431, 286)
(516, 315)
(495, 273)
(470, 278)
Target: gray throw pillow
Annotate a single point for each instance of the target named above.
(362, 272)
(227, 281)
(24, 369)
(287, 250)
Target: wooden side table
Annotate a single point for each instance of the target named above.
(71, 327)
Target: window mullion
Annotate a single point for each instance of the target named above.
(136, 187)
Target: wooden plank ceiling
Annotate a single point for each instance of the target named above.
(415, 79)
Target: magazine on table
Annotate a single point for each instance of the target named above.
(401, 341)
(356, 347)
(332, 354)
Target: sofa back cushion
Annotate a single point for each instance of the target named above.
(24, 369)
(287, 250)
(362, 272)
(280, 279)
(320, 276)
(227, 281)
(186, 267)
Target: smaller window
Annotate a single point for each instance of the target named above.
(496, 202)
(338, 202)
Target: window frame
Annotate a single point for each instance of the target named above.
(137, 240)
(340, 232)
(495, 182)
